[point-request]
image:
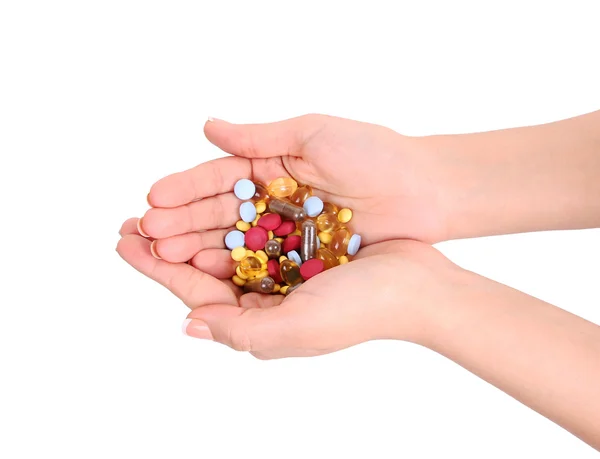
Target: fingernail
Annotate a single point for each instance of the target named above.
(211, 119)
(196, 329)
(139, 228)
(153, 250)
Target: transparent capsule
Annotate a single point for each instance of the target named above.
(339, 242)
(327, 222)
(273, 249)
(290, 272)
(251, 265)
(261, 193)
(308, 247)
(287, 210)
(301, 194)
(329, 208)
(282, 187)
(329, 259)
(264, 285)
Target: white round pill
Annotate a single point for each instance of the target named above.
(293, 255)
(247, 212)
(313, 206)
(354, 244)
(234, 239)
(244, 189)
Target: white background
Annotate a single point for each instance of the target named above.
(100, 99)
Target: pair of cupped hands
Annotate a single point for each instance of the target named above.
(389, 291)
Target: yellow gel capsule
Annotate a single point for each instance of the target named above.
(255, 221)
(327, 223)
(260, 207)
(243, 226)
(329, 208)
(325, 238)
(276, 288)
(240, 274)
(249, 253)
(262, 256)
(282, 258)
(262, 274)
(301, 194)
(238, 254)
(343, 260)
(250, 266)
(237, 280)
(339, 242)
(261, 193)
(271, 235)
(290, 272)
(282, 187)
(344, 215)
(283, 290)
(329, 259)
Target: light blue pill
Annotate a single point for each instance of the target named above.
(313, 206)
(354, 244)
(234, 239)
(244, 189)
(293, 255)
(247, 212)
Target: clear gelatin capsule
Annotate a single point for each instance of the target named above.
(273, 249)
(329, 208)
(329, 259)
(301, 194)
(339, 242)
(251, 265)
(264, 285)
(290, 272)
(308, 248)
(282, 187)
(327, 222)
(286, 210)
(261, 193)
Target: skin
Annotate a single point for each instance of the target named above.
(426, 189)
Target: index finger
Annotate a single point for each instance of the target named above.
(208, 179)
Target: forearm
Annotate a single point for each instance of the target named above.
(539, 354)
(523, 179)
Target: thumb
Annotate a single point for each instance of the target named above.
(282, 138)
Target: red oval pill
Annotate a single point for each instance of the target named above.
(285, 228)
(256, 238)
(269, 222)
(311, 268)
(291, 243)
(273, 268)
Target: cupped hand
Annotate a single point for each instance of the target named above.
(392, 189)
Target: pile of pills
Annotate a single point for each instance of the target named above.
(286, 236)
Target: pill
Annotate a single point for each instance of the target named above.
(256, 238)
(255, 221)
(328, 258)
(282, 187)
(238, 254)
(250, 266)
(287, 210)
(243, 226)
(344, 215)
(327, 222)
(261, 193)
(262, 256)
(284, 289)
(295, 257)
(343, 260)
(277, 287)
(285, 228)
(329, 208)
(273, 248)
(234, 239)
(262, 273)
(260, 207)
(308, 240)
(249, 253)
(240, 274)
(244, 189)
(291, 243)
(313, 206)
(354, 244)
(325, 238)
(281, 258)
(273, 270)
(339, 242)
(237, 280)
(311, 268)
(270, 221)
(290, 272)
(264, 285)
(301, 195)
(292, 289)
(271, 235)
(247, 211)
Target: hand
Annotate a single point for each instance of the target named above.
(392, 189)
(389, 291)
